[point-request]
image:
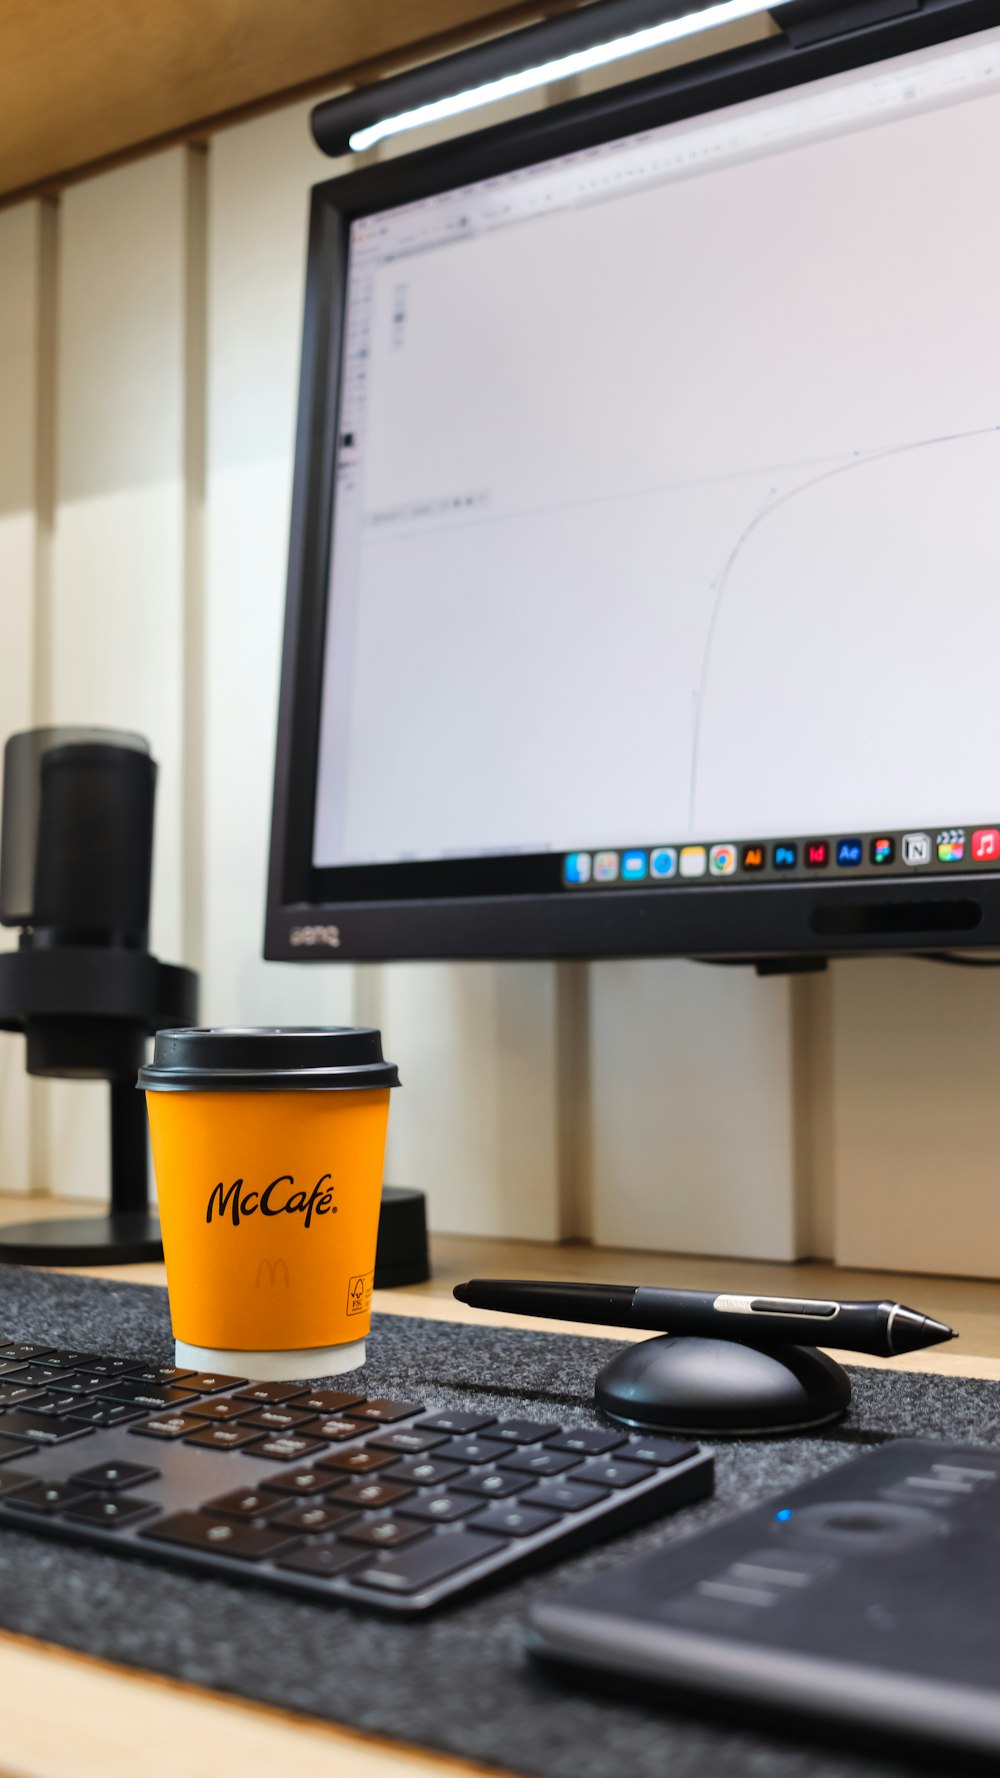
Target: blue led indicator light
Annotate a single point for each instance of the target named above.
(783, 1515)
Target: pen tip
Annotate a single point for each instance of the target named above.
(911, 1331)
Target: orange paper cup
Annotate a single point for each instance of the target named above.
(268, 1147)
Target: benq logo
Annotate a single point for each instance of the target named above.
(315, 935)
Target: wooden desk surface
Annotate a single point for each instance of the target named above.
(69, 1716)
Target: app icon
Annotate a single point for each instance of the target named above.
(752, 857)
(694, 861)
(634, 866)
(663, 862)
(785, 856)
(577, 867)
(606, 867)
(916, 848)
(986, 845)
(951, 845)
(722, 861)
(883, 851)
(849, 853)
(817, 854)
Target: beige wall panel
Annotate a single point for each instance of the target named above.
(691, 1110)
(259, 179)
(19, 307)
(475, 1122)
(117, 606)
(916, 1117)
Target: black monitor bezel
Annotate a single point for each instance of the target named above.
(797, 920)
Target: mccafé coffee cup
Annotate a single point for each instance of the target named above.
(268, 1148)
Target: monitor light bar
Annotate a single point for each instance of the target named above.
(581, 61)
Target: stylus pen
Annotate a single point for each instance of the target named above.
(883, 1329)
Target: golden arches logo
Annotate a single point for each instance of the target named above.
(274, 1270)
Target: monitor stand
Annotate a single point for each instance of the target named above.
(682, 1384)
(129, 1233)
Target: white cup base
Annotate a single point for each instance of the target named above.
(272, 1367)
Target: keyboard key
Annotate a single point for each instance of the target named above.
(490, 1484)
(106, 1413)
(145, 1395)
(276, 1419)
(313, 1516)
(327, 1401)
(325, 1560)
(524, 1432)
(163, 1373)
(70, 1358)
(210, 1382)
(440, 1508)
(269, 1393)
(19, 1424)
(472, 1450)
(403, 1442)
(661, 1451)
(457, 1424)
(335, 1431)
(19, 1352)
(384, 1534)
(46, 1497)
(220, 1408)
(565, 1497)
(386, 1411)
(226, 1437)
(514, 1521)
(590, 1441)
(10, 1367)
(407, 1570)
(54, 1403)
(13, 1447)
(82, 1383)
(46, 1376)
(14, 1395)
(370, 1494)
(299, 1481)
(612, 1473)
(120, 1509)
(422, 1472)
(534, 1462)
(285, 1447)
(114, 1476)
(111, 1367)
(169, 1426)
(224, 1537)
(359, 1462)
(13, 1479)
(244, 1503)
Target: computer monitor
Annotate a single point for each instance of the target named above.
(645, 545)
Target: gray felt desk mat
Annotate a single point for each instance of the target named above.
(458, 1681)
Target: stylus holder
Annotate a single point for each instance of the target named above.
(688, 1385)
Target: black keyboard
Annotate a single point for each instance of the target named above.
(319, 1492)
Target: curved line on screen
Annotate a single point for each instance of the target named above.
(859, 460)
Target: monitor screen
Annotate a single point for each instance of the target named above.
(666, 529)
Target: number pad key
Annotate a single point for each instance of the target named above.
(513, 1521)
(423, 1472)
(224, 1537)
(612, 1473)
(661, 1451)
(589, 1441)
(457, 1424)
(492, 1484)
(534, 1462)
(384, 1534)
(440, 1508)
(313, 1516)
(370, 1494)
(360, 1462)
(472, 1450)
(524, 1432)
(409, 1442)
(565, 1497)
(322, 1560)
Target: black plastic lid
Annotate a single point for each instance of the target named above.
(268, 1058)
